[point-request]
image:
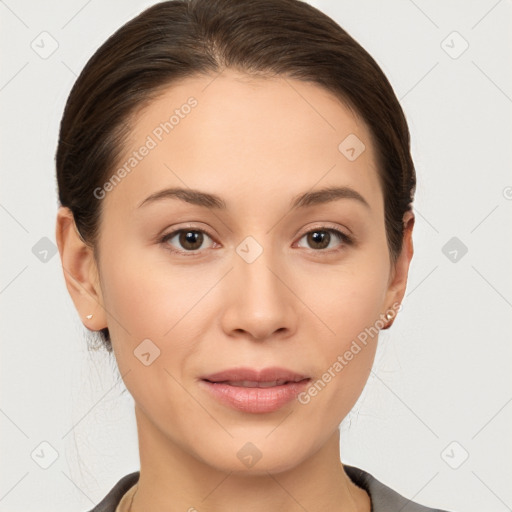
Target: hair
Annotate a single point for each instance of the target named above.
(177, 39)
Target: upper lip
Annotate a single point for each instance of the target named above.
(251, 374)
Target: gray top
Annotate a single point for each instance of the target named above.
(383, 498)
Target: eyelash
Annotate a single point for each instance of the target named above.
(343, 237)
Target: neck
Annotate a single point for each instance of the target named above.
(172, 479)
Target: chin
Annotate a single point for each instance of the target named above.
(255, 458)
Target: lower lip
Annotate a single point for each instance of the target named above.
(255, 400)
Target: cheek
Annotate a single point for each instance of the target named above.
(130, 297)
(152, 298)
(148, 297)
(348, 299)
(349, 303)
(161, 303)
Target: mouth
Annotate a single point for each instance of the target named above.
(255, 383)
(255, 391)
(252, 377)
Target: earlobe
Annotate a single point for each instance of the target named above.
(80, 271)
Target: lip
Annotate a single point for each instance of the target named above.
(225, 387)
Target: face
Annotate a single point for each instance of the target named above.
(258, 276)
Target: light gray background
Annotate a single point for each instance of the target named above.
(440, 387)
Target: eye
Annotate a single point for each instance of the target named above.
(190, 240)
(321, 238)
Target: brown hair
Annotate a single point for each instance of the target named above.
(177, 39)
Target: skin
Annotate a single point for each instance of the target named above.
(257, 143)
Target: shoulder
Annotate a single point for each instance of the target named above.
(112, 499)
(383, 498)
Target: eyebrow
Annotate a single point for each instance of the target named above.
(327, 195)
(199, 198)
(188, 195)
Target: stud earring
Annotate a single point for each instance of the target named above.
(389, 316)
(88, 317)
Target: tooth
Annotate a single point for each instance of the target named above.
(255, 384)
(267, 384)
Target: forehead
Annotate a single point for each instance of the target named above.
(246, 135)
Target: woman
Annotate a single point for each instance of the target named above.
(236, 222)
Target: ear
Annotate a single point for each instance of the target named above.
(400, 270)
(80, 271)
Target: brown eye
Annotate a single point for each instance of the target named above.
(185, 240)
(320, 239)
(191, 240)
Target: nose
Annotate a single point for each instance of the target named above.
(259, 301)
